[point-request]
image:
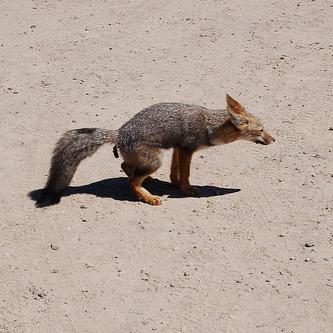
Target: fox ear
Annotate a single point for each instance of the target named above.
(238, 120)
(234, 105)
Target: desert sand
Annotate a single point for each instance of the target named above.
(253, 254)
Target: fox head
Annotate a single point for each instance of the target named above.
(250, 128)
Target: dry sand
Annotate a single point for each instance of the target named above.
(220, 263)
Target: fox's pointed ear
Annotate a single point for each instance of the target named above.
(234, 105)
(238, 120)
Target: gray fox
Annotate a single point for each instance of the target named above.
(183, 127)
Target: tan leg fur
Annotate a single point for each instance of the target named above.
(184, 173)
(141, 192)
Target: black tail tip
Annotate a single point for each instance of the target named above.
(44, 198)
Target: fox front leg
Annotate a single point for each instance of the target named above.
(185, 158)
(174, 173)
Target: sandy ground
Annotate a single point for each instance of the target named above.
(234, 260)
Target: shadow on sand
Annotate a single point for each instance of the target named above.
(118, 189)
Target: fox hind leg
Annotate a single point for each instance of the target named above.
(128, 169)
(141, 192)
(143, 163)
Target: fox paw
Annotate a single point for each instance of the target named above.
(191, 191)
(153, 200)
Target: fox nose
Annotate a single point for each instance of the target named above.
(268, 138)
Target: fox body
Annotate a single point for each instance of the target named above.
(183, 127)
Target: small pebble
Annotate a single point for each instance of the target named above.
(292, 258)
(307, 260)
(55, 247)
(83, 207)
(309, 244)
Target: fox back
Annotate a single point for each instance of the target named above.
(168, 125)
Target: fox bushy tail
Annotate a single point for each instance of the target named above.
(70, 150)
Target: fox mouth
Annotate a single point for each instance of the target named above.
(261, 142)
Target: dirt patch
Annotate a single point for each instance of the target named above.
(233, 260)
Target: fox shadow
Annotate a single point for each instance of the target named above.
(118, 189)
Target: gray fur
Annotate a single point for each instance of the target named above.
(168, 125)
(70, 150)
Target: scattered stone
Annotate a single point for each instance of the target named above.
(309, 244)
(37, 293)
(292, 258)
(307, 260)
(54, 271)
(83, 207)
(325, 259)
(55, 247)
(238, 281)
(282, 235)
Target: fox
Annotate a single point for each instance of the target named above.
(185, 128)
